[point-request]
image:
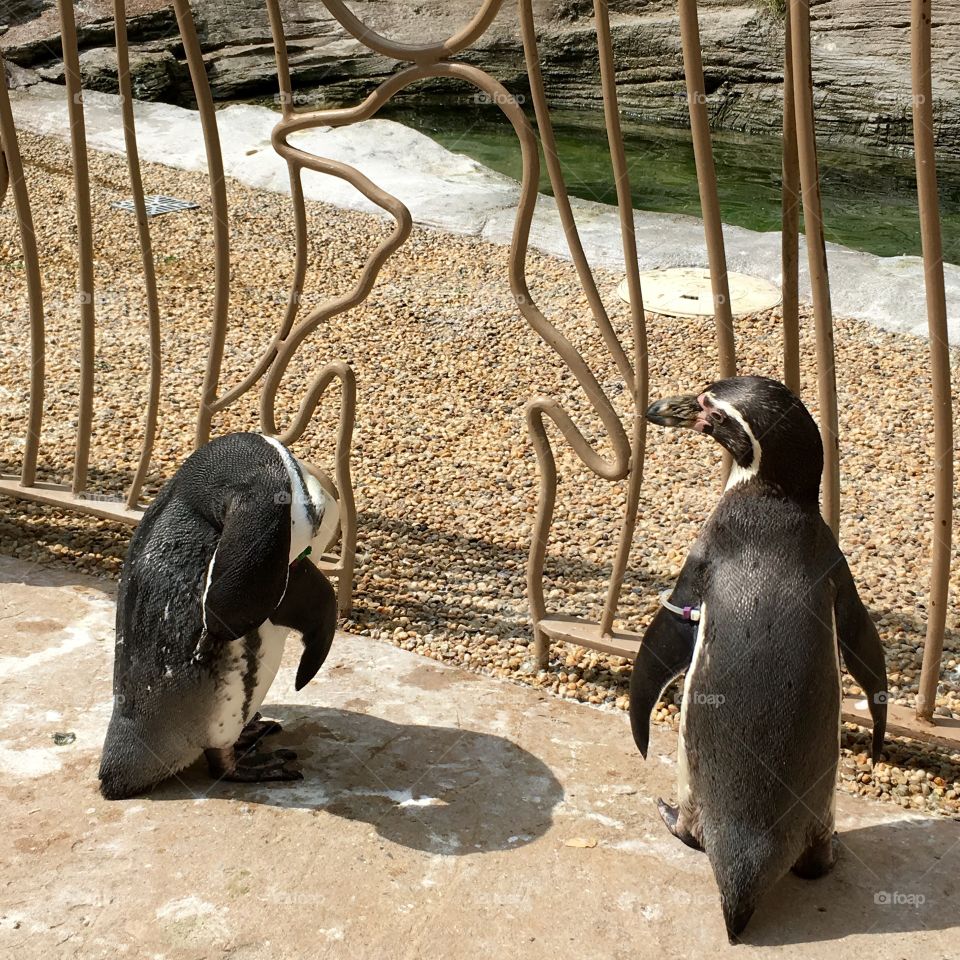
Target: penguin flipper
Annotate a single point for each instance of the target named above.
(665, 653)
(666, 649)
(310, 606)
(860, 644)
(248, 572)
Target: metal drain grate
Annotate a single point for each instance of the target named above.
(157, 205)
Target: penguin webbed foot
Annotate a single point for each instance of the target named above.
(252, 768)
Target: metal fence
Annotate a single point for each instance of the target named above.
(628, 440)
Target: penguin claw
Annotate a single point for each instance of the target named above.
(671, 817)
(668, 815)
(255, 731)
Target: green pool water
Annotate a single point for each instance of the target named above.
(869, 201)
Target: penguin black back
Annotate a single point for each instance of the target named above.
(212, 580)
(759, 734)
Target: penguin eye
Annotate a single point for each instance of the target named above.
(717, 416)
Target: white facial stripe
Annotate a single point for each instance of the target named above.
(329, 514)
(301, 529)
(739, 474)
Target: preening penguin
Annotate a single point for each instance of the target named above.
(216, 574)
(754, 620)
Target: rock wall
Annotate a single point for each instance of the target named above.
(860, 54)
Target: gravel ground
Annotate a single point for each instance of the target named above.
(446, 480)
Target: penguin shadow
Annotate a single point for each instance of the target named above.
(895, 877)
(463, 564)
(436, 789)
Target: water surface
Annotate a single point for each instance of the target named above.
(869, 201)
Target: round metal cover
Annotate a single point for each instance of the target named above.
(686, 292)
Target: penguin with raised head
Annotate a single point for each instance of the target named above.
(216, 574)
(754, 622)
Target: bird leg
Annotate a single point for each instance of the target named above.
(254, 732)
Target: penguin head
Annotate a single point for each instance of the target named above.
(766, 428)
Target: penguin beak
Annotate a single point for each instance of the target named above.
(682, 411)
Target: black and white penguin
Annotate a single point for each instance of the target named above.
(754, 620)
(215, 576)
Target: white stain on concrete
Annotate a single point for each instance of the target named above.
(605, 820)
(96, 623)
(401, 798)
(28, 764)
(75, 638)
(662, 850)
(185, 907)
(201, 919)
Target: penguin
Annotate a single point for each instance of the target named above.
(755, 619)
(216, 574)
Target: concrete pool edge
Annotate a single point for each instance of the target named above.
(452, 192)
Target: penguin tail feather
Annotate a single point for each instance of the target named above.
(745, 865)
(129, 765)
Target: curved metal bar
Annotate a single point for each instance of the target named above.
(146, 251)
(293, 303)
(221, 223)
(639, 388)
(790, 225)
(927, 198)
(561, 196)
(614, 470)
(300, 223)
(817, 258)
(707, 182)
(536, 411)
(288, 346)
(81, 181)
(31, 261)
(348, 511)
(4, 174)
(414, 53)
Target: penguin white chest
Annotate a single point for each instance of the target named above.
(248, 668)
(684, 788)
(272, 641)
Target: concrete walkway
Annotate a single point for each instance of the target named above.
(455, 193)
(441, 815)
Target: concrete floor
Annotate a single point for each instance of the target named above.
(441, 815)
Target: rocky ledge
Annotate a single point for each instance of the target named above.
(860, 55)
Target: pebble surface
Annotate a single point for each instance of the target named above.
(446, 478)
